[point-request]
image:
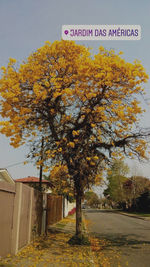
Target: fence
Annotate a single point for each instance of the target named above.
(20, 214)
(54, 209)
(24, 212)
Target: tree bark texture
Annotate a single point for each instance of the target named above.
(78, 215)
(79, 193)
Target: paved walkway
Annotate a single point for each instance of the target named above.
(53, 250)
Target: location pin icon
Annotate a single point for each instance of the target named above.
(66, 32)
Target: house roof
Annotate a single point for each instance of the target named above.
(32, 179)
(5, 176)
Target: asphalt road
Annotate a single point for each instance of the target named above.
(130, 237)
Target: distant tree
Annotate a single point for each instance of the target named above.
(116, 178)
(92, 199)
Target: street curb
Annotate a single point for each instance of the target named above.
(132, 215)
(87, 232)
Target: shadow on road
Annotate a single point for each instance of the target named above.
(116, 239)
(119, 240)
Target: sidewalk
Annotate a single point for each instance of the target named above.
(53, 250)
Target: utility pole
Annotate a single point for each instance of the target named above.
(41, 166)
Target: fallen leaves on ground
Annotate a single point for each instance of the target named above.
(103, 257)
(52, 250)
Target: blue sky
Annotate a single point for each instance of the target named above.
(26, 25)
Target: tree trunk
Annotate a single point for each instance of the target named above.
(79, 195)
(78, 214)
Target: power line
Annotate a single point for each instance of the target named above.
(15, 164)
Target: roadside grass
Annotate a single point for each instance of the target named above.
(64, 222)
(142, 214)
(60, 225)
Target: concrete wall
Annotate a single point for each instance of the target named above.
(20, 213)
(71, 206)
(67, 207)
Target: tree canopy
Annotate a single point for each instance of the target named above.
(85, 108)
(61, 181)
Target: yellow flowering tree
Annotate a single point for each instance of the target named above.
(85, 108)
(62, 181)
